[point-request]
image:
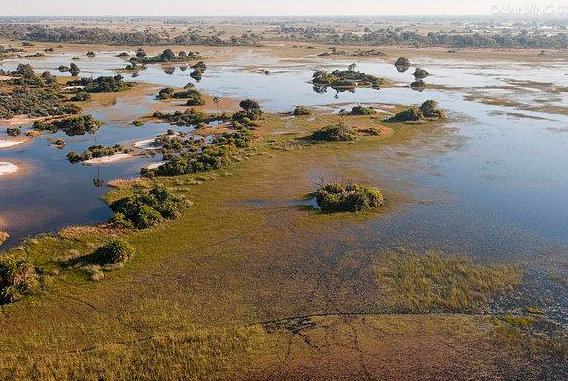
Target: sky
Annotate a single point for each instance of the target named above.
(271, 7)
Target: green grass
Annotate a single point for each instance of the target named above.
(438, 282)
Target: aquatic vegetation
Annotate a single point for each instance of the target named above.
(301, 110)
(434, 282)
(117, 251)
(334, 133)
(146, 209)
(72, 126)
(336, 197)
(94, 152)
(345, 79)
(104, 84)
(18, 277)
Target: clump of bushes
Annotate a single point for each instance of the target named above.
(94, 152)
(73, 126)
(103, 84)
(194, 97)
(13, 131)
(427, 110)
(189, 117)
(345, 79)
(402, 61)
(18, 277)
(168, 55)
(117, 251)
(250, 112)
(335, 197)
(418, 84)
(362, 110)
(80, 96)
(301, 110)
(147, 209)
(334, 133)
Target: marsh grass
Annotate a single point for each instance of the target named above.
(436, 282)
(193, 354)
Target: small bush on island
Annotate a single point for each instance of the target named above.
(402, 61)
(91, 54)
(334, 133)
(80, 96)
(301, 110)
(427, 110)
(335, 197)
(147, 209)
(18, 277)
(13, 131)
(117, 251)
(73, 126)
(420, 73)
(251, 111)
(168, 55)
(74, 69)
(418, 84)
(94, 152)
(194, 97)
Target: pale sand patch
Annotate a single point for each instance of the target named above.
(18, 121)
(5, 77)
(7, 168)
(146, 144)
(155, 165)
(9, 143)
(107, 159)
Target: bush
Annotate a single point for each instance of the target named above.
(13, 131)
(429, 110)
(418, 84)
(361, 110)
(402, 61)
(18, 277)
(420, 73)
(301, 110)
(334, 197)
(117, 251)
(73, 126)
(333, 133)
(80, 96)
(411, 115)
(145, 210)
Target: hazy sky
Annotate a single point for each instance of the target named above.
(256, 7)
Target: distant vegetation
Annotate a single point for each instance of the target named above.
(335, 197)
(95, 152)
(346, 79)
(72, 126)
(301, 110)
(194, 97)
(110, 84)
(168, 55)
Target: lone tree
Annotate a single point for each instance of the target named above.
(74, 69)
(216, 100)
(249, 105)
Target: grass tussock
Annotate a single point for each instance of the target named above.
(335, 197)
(435, 282)
(18, 277)
(196, 354)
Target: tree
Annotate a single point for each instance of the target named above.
(74, 69)
(25, 71)
(168, 55)
(249, 105)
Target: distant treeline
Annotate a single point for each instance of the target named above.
(390, 37)
(43, 33)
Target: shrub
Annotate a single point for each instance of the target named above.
(13, 131)
(77, 125)
(335, 132)
(18, 277)
(80, 96)
(402, 61)
(429, 110)
(301, 110)
(117, 251)
(417, 84)
(420, 73)
(351, 198)
(120, 221)
(138, 123)
(361, 110)
(411, 115)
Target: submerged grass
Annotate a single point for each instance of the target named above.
(436, 282)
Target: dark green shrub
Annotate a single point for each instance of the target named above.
(418, 84)
(117, 251)
(402, 61)
(430, 110)
(301, 110)
(411, 115)
(80, 96)
(13, 131)
(351, 198)
(420, 73)
(361, 110)
(120, 221)
(333, 133)
(18, 277)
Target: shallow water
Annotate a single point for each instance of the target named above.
(503, 179)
